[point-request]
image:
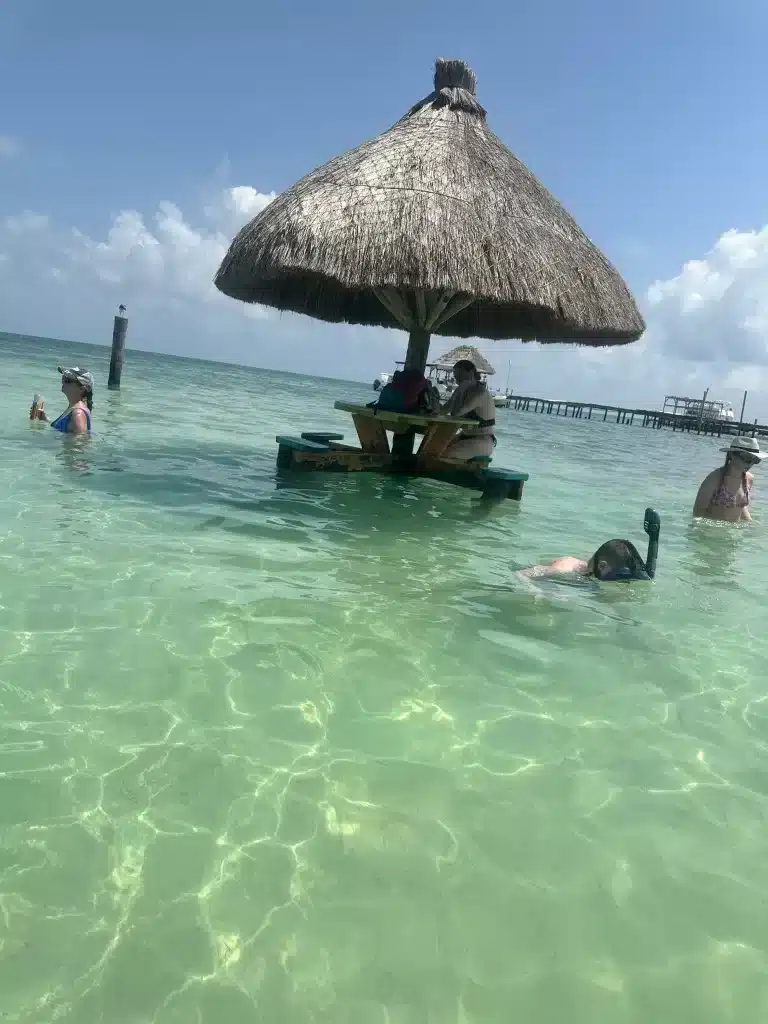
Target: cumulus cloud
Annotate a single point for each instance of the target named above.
(167, 260)
(716, 309)
(28, 221)
(9, 146)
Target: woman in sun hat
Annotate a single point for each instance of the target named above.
(725, 492)
(77, 387)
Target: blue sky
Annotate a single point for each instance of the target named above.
(646, 121)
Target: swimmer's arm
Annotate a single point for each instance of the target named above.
(77, 422)
(750, 484)
(704, 496)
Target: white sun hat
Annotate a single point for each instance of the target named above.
(745, 446)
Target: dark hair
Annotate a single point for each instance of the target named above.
(465, 364)
(619, 554)
(86, 395)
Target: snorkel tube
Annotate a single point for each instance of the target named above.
(652, 526)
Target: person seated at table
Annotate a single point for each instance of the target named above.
(470, 401)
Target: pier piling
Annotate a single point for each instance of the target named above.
(119, 331)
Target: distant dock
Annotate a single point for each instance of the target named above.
(687, 422)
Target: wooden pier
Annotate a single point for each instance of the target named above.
(644, 417)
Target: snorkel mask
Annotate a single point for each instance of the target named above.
(652, 526)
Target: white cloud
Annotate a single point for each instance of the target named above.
(168, 259)
(716, 309)
(9, 146)
(28, 221)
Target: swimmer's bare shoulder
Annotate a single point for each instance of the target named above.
(559, 567)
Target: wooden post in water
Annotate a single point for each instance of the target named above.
(119, 331)
(701, 412)
(741, 418)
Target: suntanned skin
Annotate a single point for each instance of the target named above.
(561, 567)
(735, 474)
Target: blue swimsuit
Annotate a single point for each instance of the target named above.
(62, 423)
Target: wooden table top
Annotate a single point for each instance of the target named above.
(412, 419)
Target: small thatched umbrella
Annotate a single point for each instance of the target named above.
(474, 355)
(437, 228)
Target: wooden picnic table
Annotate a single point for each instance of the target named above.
(325, 450)
(372, 425)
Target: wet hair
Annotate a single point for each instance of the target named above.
(618, 554)
(86, 396)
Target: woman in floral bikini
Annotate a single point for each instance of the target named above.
(725, 492)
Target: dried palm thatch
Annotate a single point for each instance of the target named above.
(449, 359)
(434, 227)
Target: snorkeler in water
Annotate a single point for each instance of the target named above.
(614, 560)
(614, 556)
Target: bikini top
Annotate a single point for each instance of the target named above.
(725, 497)
(62, 422)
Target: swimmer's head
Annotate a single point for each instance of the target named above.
(77, 385)
(465, 371)
(617, 560)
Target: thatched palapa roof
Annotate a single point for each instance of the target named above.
(436, 227)
(449, 359)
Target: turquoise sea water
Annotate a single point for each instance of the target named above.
(315, 754)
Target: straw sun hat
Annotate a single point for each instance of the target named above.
(745, 446)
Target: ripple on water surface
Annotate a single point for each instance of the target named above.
(314, 754)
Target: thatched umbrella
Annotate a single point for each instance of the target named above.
(434, 227)
(474, 355)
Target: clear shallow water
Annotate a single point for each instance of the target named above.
(315, 754)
